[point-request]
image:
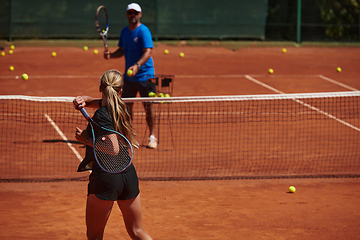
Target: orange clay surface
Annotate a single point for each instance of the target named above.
(229, 209)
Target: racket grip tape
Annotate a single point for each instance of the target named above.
(84, 112)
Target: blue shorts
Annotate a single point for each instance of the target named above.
(112, 187)
(130, 89)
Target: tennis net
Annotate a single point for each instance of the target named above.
(220, 137)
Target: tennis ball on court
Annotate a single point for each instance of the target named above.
(11, 51)
(284, 50)
(338, 69)
(152, 94)
(182, 54)
(12, 47)
(25, 77)
(166, 51)
(129, 72)
(271, 71)
(96, 51)
(85, 48)
(2, 54)
(292, 189)
(53, 54)
(11, 68)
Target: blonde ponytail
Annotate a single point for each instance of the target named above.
(111, 85)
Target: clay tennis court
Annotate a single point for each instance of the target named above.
(321, 208)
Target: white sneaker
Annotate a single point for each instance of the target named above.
(152, 142)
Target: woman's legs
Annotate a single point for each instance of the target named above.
(97, 215)
(131, 210)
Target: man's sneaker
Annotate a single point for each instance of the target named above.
(152, 142)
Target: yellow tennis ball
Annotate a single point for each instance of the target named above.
(284, 50)
(85, 48)
(103, 31)
(292, 189)
(167, 95)
(166, 51)
(129, 72)
(53, 54)
(271, 71)
(161, 95)
(338, 69)
(11, 51)
(96, 51)
(11, 68)
(182, 54)
(25, 77)
(12, 47)
(2, 54)
(152, 94)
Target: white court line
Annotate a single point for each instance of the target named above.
(338, 83)
(304, 104)
(263, 84)
(64, 137)
(210, 76)
(285, 76)
(327, 114)
(98, 76)
(177, 76)
(52, 76)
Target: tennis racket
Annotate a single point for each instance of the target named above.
(112, 151)
(102, 24)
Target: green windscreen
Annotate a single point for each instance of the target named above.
(272, 20)
(166, 19)
(204, 18)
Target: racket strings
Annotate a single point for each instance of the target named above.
(112, 154)
(102, 21)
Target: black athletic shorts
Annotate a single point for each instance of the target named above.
(130, 89)
(112, 187)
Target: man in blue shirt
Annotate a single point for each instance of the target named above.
(135, 43)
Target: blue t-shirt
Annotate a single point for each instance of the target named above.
(133, 43)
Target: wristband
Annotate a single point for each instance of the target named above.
(138, 65)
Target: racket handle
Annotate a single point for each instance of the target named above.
(84, 112)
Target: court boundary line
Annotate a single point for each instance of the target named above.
(190, 77)
(337, 83)
(62, 135)
(177, 76)
(52, 76)
(304, 104)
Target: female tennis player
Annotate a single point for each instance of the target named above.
(105, 188)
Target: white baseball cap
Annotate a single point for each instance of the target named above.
(134, 6)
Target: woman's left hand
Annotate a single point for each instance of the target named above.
(81, 135)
